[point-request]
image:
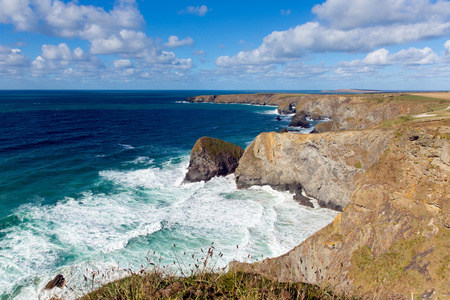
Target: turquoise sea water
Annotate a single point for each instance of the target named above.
(92, 180)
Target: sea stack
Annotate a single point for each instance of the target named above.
(299, 119)
(212, 157)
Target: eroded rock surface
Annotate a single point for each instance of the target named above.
(324, 165)
(299, 119)
(212, 157)
(392, 239)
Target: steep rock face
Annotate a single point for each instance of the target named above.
(212, 157)
(392, 240)
(299, 119)
(347, 112)
(257, 99)
(324, 165)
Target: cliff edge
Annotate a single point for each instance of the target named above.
(391, 241)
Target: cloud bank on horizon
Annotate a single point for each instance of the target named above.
(382, 44)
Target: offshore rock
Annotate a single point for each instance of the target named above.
(212, 157)
(299, 119)
(58, 281)
(324, 165)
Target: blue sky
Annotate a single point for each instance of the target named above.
(250, 45)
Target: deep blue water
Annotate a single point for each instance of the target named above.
(89, 178)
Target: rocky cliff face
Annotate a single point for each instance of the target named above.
(346, 111)
(324, 165)
(212, 157)
(391, 241)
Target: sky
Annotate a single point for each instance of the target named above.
(227, 45)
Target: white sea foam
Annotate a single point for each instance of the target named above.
(127, 147)
(148, 209)
(143, 160)
(269, 112)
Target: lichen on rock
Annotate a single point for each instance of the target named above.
(212, 157)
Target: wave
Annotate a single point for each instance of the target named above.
(127, 147)
(142, 210)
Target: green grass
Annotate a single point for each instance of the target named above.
(216, 147)
(155, 285)
(203, 281)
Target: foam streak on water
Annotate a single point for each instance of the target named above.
(93, 180)
(149, 210)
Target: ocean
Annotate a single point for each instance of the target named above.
(92, 181)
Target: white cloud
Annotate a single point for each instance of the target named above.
(292, 44)
(285, 12)
(350, 26)
(12, 57)
(447, 50)
(199, 52)
(18, 13)
(195, 10)
(70, 20)
(60, 60)
(174, 41)
(381, 57)
(122, 63)
(12, 61)
(114, 32)
(124, 42)
(346, 14)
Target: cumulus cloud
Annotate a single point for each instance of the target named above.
(114, 32)
(59, 59)
(70, 20)
(292, 44)
(447, 50)
(346, 14)
(195, 10)
(125, 41)
(12, 61)
(350, 26)
(122, 63)
(410, 57)
(174, 41)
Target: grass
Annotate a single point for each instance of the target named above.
(203, 281)
(217, 147)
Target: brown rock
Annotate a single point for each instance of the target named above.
(212, 157)
(58, 281)
(299, 120)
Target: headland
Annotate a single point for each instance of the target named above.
(384, 161)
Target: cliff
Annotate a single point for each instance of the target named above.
(384, 160)
(392, 239)
(356, 111)
(324, 165)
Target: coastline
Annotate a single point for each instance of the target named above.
(336, 251)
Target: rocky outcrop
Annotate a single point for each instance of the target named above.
(324, 165)
(299, 119)
(58, 281)
(391, 241)
(286, 108)
(257, 99)
(347, 112)
(212, 157)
